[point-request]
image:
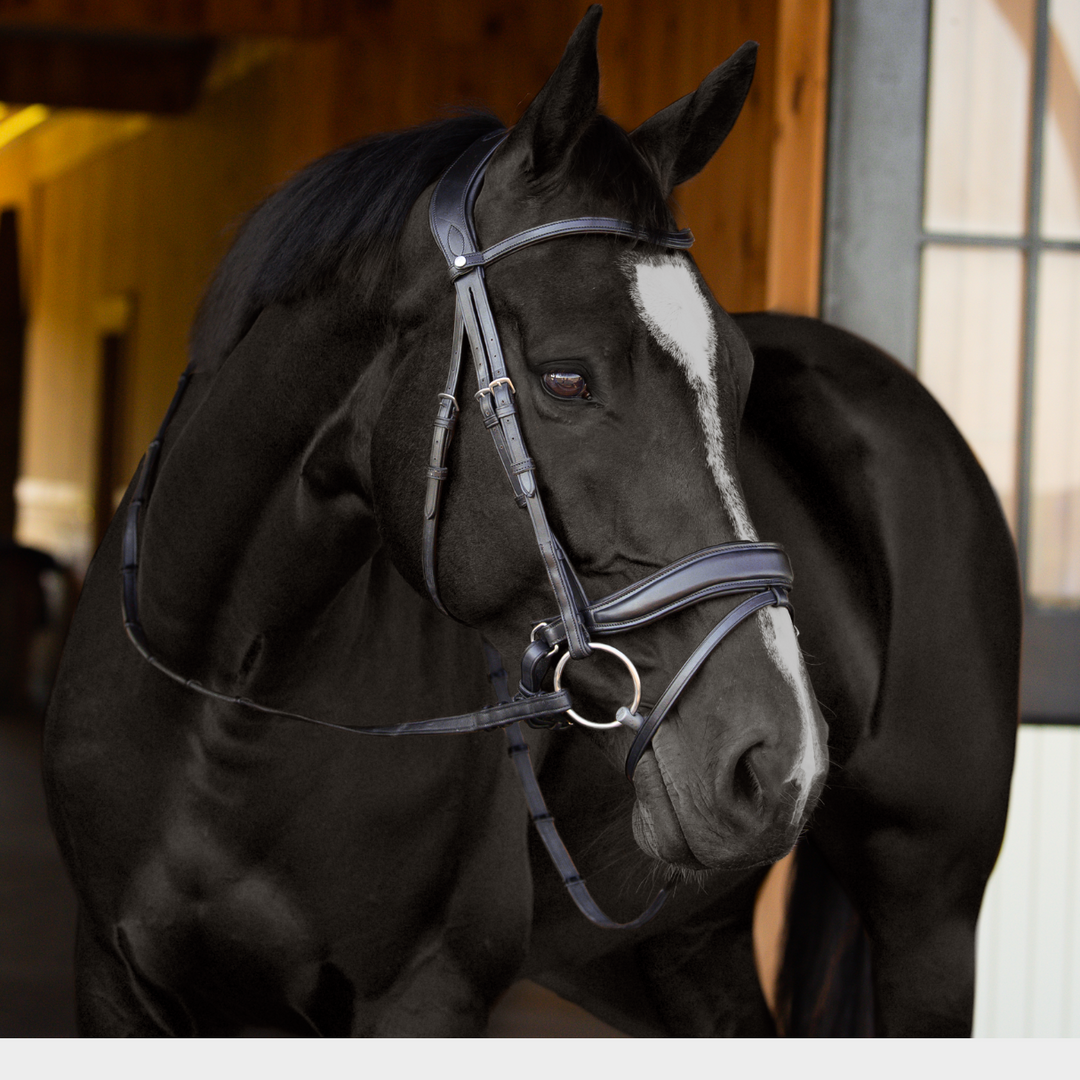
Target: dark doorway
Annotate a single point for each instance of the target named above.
(12, 325)
(114, 351)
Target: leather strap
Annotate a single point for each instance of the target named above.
(451, 216)
(737, 567)
(529, 707)
(535, 664)
(494, 389)
(461, 264)
(496, 396)
(452, 201)
(698, 657)
(556, 849)
(129, 559)
(544, 822)
(511, 711)
(442, 434)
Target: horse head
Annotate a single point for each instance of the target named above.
(628, 381)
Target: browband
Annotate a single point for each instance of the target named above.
(570, 227)
(451, 216)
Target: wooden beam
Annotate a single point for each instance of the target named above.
(94, 71)
(287, 18)
(793, 265)
(11, 370)
(653, 54)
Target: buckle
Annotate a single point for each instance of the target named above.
(490, 388)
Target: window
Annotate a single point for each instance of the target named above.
(953, 241)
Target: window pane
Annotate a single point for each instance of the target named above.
(980, 101)
(969, 351)
(1061, 160)
(1054, 555)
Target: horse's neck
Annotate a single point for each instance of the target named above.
(405, 660)
(259, 516)
(376, 653)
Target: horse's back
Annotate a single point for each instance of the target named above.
(908, 600)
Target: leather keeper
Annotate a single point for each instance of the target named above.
(535, 664)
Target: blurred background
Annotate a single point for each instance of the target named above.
(908, 169)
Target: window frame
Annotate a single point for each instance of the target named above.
(873, 240)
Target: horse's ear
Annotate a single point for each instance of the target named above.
(566, 103)
(679, 141)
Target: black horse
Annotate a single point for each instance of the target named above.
(239, 870)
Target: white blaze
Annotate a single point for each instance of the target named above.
(670, 302)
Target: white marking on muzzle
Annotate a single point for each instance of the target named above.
(670, 302)
(778, 632)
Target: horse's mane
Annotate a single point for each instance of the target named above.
(340, 217)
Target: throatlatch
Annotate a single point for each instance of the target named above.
(743, 567)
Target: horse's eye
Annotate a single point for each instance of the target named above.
(566, 384)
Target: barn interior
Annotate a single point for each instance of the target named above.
(136, 134)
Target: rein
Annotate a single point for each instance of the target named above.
(742, 567)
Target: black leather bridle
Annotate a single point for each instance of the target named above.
(761, 570)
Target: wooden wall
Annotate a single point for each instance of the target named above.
(756, 208)
(143, 207)
(130, 216)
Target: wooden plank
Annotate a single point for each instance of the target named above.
(653, 55)
(770, 922)
(11, 369)
(416, 60)
(270, 17)
(793, 275)
(134, 74)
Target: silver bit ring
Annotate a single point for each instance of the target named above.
(576, 717)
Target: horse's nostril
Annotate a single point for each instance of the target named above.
(745, 780)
